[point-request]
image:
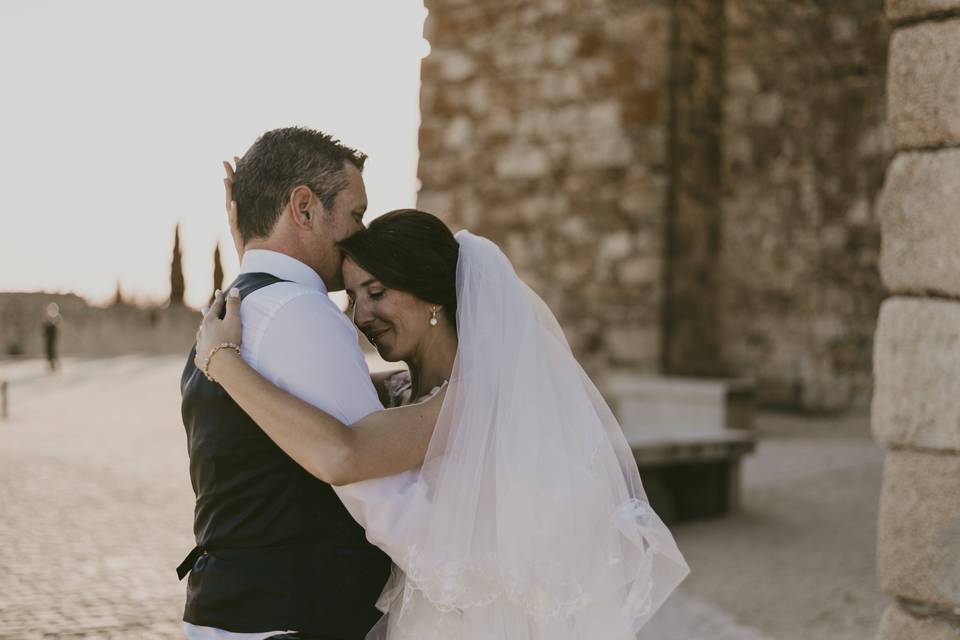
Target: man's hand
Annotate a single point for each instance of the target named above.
(232, 206)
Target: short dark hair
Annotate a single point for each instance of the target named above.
(412, 251)
(279, 161)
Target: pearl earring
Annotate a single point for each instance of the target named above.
(433, 317)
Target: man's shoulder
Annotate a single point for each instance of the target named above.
(286, 297)
(287, 306)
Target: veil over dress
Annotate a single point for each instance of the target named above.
(528, 519)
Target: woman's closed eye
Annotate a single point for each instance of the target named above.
(376, 294)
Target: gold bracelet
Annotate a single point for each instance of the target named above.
(205, 369)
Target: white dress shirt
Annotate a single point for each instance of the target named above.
(296, 336)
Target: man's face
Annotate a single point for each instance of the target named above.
(342, 219)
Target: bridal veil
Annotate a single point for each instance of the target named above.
(528, 519)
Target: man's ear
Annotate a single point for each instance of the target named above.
(303, 206)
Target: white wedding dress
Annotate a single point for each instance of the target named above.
(528, 519)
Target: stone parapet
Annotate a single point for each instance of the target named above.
(921, 225)
(94, 331)
(917, 374)
(923, 85)
(918, 551)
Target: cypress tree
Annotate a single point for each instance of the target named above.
(118, 296)
(217, 270)
(176, 272)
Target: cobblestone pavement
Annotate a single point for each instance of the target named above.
(95, 501)
(96, 511)
(798, 561)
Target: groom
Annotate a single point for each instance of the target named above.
(277, 553)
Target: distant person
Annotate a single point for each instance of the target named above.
(499, 482)
(51, 334)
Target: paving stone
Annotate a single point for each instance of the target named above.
(95, 501)
(96, 507)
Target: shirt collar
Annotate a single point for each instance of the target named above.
(282, 266)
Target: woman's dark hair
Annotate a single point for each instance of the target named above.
(412, 251)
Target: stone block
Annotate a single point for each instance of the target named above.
(918, 542)
(614, 246)
(898, 624)
(923, 85)
(454, 65)
(917, 374)
(561, 49)
(635, 346)
(921, 223)
(610, 150)
(640, 270)
(439, 203)
(522, 162)
(458, 133)
(898, 10)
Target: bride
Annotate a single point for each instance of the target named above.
(518, 513)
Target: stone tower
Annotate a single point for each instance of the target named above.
(689, 185)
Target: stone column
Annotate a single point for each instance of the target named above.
(916, 404)
(691, 323)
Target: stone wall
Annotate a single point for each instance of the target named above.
(93, 331)
(916, 411)
(804, 160)
(544, 128)
(689, 185)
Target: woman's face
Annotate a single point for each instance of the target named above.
(395, 322)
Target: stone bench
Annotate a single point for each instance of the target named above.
(675, 402)
(688, 437)
(688, 474)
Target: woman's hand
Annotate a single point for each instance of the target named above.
(232, 206)
(214, 331)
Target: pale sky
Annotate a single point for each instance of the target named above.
(115, 115)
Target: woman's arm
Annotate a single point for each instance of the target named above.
(383, 443)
